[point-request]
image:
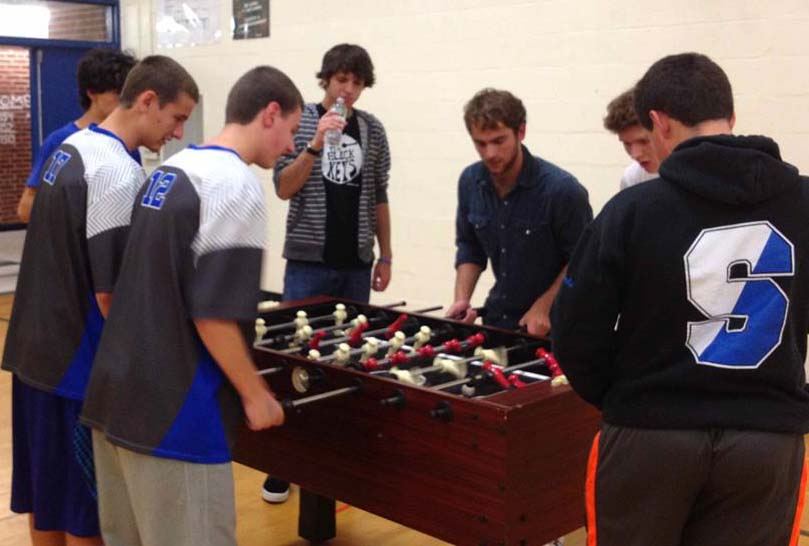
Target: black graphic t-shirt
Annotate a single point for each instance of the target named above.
(342, 178)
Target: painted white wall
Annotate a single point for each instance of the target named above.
(565, 59)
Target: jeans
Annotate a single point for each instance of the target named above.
(307, 279)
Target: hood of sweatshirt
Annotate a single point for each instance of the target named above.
(735, 170)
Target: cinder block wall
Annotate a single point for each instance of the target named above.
(565, 59)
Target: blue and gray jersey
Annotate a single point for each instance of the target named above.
(195, 251)
(75, 241)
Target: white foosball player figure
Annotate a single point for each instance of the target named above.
(261, 329)
(301, 320)
(361, 319)
(456, 368)
(422, 337)
(303, 335)
(343, 354)
(314, 354)
(406, 376)
(266, 305)
(339, 314)
(559, 380)
(396, 342)
(369, 349)
(491, 355)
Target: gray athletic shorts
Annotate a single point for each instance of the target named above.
(694, 488)
(153, 501)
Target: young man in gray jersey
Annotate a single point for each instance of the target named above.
(188, 281)
(73, 248)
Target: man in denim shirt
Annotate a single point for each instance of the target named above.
(517, 210)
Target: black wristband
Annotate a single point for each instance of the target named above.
(312, 151)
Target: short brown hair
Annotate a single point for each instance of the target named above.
(491, 107)
(162, 75)
(256, 89)
(621, 113)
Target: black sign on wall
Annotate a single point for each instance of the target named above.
(251, 19)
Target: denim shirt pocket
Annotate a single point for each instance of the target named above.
(484, 230)
(532, 239)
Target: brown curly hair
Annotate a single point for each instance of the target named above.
(491, 107)
(621, 113)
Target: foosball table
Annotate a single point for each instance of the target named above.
(464, 432)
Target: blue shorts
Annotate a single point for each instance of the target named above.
(53, 476)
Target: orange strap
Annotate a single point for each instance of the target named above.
(590, 492)
(796, 525)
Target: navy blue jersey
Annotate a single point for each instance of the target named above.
(73, 248)
(194, 252)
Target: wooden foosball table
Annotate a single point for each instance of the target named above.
(463, 432)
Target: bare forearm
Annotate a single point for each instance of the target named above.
(26, 204)
(383, 230)
(294, 176)
(466, 278)
(224, 341)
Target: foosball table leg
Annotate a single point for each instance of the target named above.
(316, 520)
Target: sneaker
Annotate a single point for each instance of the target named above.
(275, 490)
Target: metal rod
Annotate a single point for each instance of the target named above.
(465, 380)
(334, 341)
(276, 327)
(323, 396)
(270, 371)
(429, 309)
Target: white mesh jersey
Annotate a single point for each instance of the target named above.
(73, 249)
(194, 252)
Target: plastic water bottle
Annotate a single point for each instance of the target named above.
(333, 136)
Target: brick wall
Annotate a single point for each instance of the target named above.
(15, 129)
(78, 22)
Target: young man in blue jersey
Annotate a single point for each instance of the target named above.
(100, 76)
(72, 253)
(173, 380)
(684, 317)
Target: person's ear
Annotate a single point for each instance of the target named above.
(660, 122)
(521, 132)
(270, 113)
(146, 100)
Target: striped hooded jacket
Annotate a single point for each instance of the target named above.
(306, 219)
